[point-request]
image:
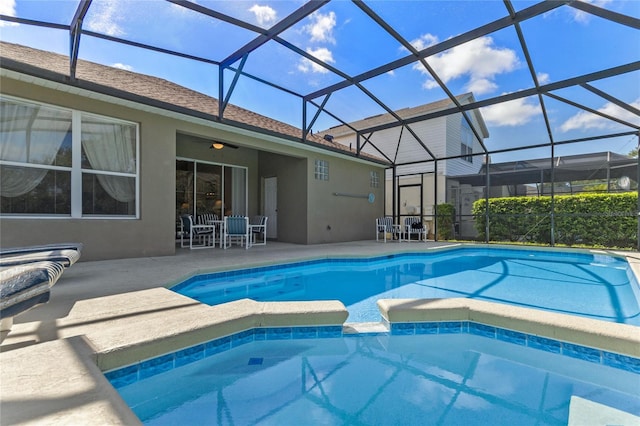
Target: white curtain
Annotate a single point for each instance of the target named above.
(110, 147)
(28, 137)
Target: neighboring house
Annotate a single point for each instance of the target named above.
(111, 158)
(449, 137)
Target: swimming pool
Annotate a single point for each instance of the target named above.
(452, 377)
(586, 284)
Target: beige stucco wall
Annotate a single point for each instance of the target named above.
(151, 235)
(343, 218)
(291, 173)
(305, 206)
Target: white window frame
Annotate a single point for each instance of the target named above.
(374, 179)
(321, 171)
(76, 165)
(466, 141)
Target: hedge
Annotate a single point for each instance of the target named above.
(445, 221)
(603, 220)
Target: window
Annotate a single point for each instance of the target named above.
(48, 169)
(322, 170)
(466, 146)
(374, 179)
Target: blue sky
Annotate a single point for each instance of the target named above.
(563, 43)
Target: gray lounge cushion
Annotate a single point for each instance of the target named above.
(65, 253)
(66, 257)
(26, 285)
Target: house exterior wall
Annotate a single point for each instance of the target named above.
(153, 233)
(458, 166)
(292, 194)
(350, 217)
(433, 134)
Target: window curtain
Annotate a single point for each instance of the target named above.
(110, 147)
(21, 142)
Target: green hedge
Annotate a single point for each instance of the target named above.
(445, 221)
(604, 220)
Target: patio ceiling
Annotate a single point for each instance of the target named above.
(228, 50)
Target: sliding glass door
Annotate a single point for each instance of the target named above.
(210, 188)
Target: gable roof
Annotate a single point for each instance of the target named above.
(149, 90)
(406, 113)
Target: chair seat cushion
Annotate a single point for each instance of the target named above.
(26, 285)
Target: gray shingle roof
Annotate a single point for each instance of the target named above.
(146, 89)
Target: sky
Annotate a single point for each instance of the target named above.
(563, 43)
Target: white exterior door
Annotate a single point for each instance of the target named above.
(271, 206)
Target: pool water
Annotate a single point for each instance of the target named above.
(594, 286)
(443, 379)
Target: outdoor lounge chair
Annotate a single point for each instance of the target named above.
(66, 254)
(414, 226)
(199, 236)
(24, 286)
(258, 226)
(385, 226)
(236, 228)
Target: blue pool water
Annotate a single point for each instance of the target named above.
(590, 285)
(384, 379)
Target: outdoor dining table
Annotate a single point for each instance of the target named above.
(218, 227)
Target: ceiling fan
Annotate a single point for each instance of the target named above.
(220, 145)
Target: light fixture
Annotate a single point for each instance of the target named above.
(217, 145)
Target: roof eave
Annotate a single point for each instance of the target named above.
(10, 65)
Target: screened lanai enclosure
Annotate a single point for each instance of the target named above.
(497, 120)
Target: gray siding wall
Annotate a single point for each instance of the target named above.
(457, 167)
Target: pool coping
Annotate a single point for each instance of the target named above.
(85, 358)
(623, 339)
(405, 317)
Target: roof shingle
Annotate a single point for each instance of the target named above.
(154, 89)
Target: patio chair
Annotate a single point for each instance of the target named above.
(258, 226)
(414, 226)
(385, 226)
(199, 235)
(236, 229)
(206, 218)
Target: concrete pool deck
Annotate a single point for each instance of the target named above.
(108, 314)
